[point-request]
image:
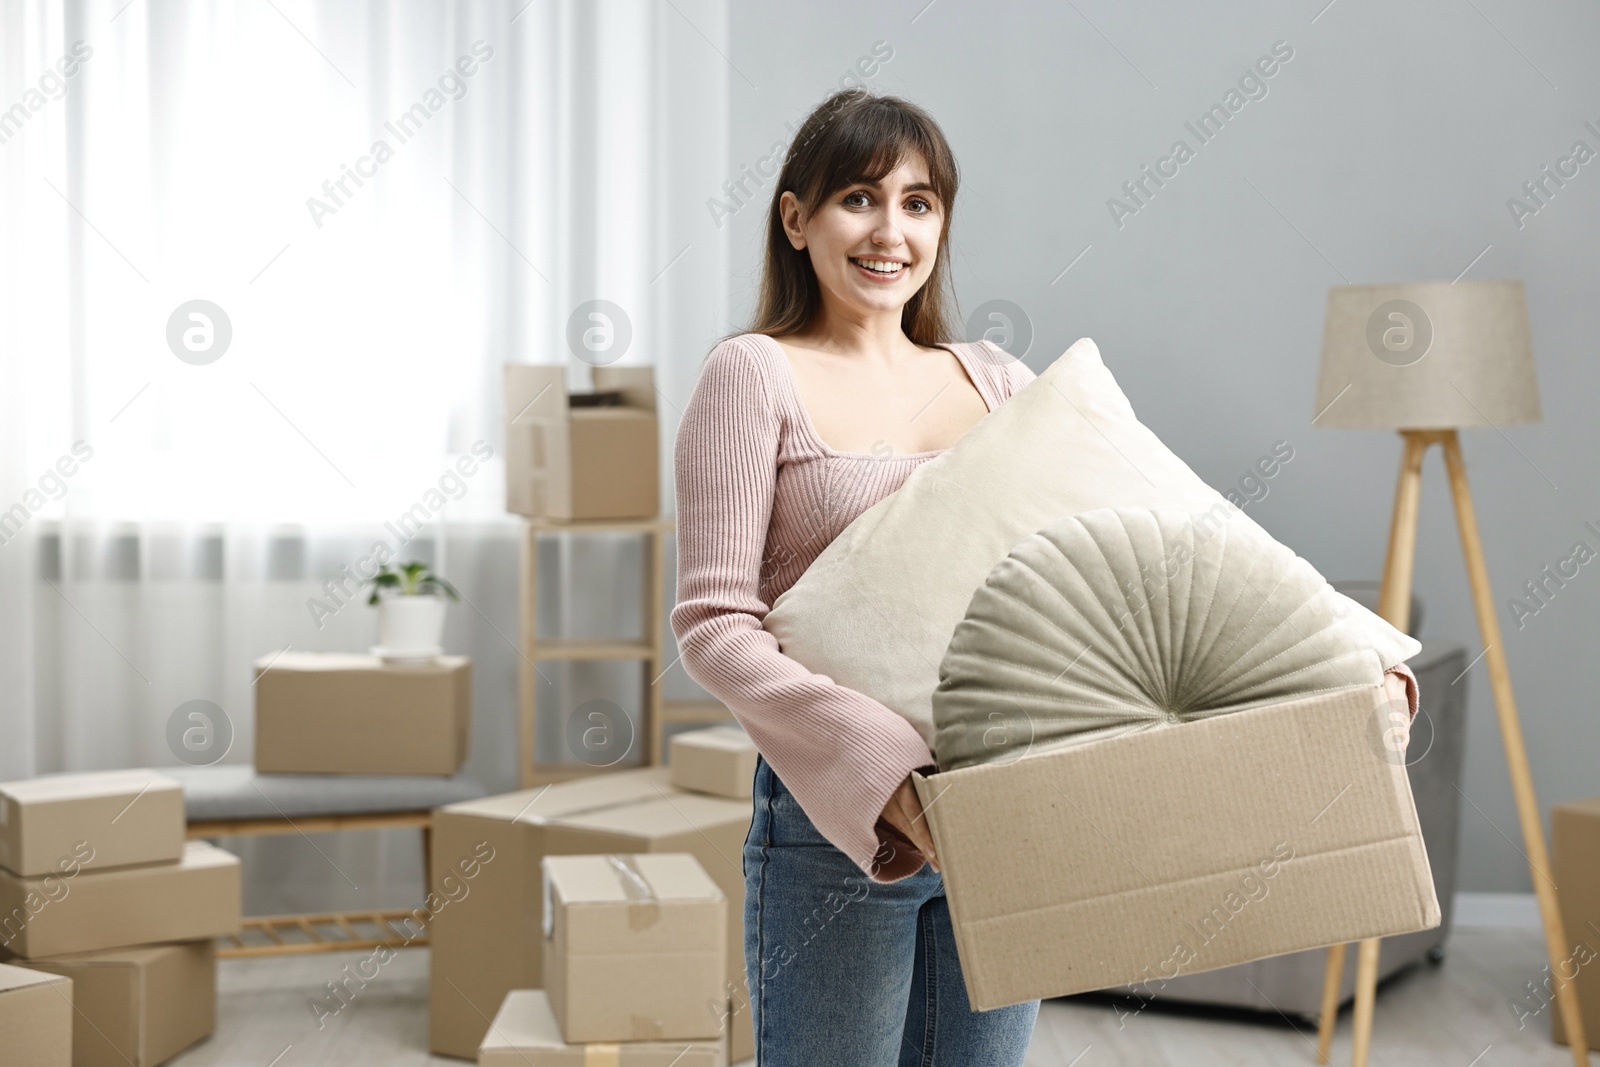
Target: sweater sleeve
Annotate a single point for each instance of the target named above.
(1413, 695)
(841, 753)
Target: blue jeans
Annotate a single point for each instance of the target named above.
(849, 972)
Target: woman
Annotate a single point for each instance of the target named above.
(844, 385)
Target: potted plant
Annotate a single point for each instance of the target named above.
(410, 611)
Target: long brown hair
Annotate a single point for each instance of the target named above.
(854, 136)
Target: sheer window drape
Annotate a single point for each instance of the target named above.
(173, 513)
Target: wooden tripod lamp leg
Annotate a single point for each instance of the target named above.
(1394, 605)
(1544, 886)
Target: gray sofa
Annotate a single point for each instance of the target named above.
(1291, 984)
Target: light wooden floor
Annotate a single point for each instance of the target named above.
(1458, 1014)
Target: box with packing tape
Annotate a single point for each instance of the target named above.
(635, 947)
(126, 817)
(720, 760)
(581, 455)
(137, 1007)
(337, 713)
(489, 939)
(525, 1034)
(1137, 858)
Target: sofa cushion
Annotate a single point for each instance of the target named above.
(877, 608)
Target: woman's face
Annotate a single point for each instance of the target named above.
(872, 244)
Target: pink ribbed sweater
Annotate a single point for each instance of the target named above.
(759, 496)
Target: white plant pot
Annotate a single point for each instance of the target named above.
(410, 627)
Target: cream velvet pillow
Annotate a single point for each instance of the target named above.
(877, 608)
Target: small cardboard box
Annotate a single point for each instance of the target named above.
(1575, 865)
(525, 1034)
(335, 713)
(712, 829)
(95, 820)
(635, 947)
(196, 897)
(138, 1006)
(1179, 849)
(35, 1018)
(567, 460)
(720, 761)
(488, 939)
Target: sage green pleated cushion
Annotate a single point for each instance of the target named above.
(1117, 620)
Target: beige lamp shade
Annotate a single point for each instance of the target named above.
(1426, 356)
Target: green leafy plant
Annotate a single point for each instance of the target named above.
(410, 579)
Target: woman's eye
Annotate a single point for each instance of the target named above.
(926, 207)
(850, 196)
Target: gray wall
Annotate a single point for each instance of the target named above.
(1384, 150)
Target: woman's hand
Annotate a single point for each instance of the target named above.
(1394, 689)
(1394, 692)
(903, 813)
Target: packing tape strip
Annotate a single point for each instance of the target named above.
(601, 1055)
(644, 910)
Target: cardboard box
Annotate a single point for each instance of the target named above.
(720, 761)
(35, 1018)
(635, 948)
(712, 829)
(196, 897)
(332, 713)
(525, 1034)
(100, 819)
(568, 461)
(488, 939)
(137, 1007)
(1575, 866)
(740, 1024)
(1178, 849)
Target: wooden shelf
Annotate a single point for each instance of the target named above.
(649, 651)
(589, 648)
(695, 711)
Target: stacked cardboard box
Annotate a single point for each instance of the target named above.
(334, 713)
(35, 1017)
(99, 887)
(634, 957)
(488, 937)
(720, 760)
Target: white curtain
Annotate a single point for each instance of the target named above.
(168, 514)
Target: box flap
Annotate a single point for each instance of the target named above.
(637, 385)
(535, 393)
(543, 803)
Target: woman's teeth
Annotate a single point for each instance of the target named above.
(882, 266)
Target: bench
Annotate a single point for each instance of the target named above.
(234, 800)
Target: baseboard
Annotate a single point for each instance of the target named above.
(1501, 911)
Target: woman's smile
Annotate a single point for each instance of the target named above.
(882, 271)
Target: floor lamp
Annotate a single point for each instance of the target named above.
(1426, 359)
